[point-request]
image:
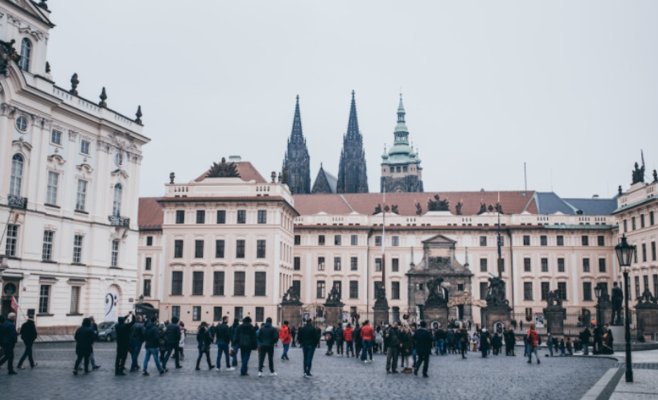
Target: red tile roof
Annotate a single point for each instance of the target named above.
(246, 170)
(513, 202)
(150, 213)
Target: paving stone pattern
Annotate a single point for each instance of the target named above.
(334, 378)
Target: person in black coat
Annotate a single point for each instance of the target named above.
(245, 337)
(268, 336)
(152, 346)
(204, 340)
(223, 338)
(8, 339)
(28, 335)
(84, 341)
(423, 340)
(136, 341)
(122, 330)
(171, 339)
(309, 338)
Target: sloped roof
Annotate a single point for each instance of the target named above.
(594, 206)
(150, 214)
(246, 170)
(551, 203)
(324, 181)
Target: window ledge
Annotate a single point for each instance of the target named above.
(82, 212)
(79, 264)
(49, 261)
(52, 205)
(13, 258)
(115, 268)
(45, 315)
(74, 315)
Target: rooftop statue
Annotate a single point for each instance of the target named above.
(223, 170)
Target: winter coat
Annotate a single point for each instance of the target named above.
(203, 339)
(8, 336)
(223, 333)
(245, 337)
(268, 335)
(347, 334)
(392, 337)
(151, 336)
(28, 331)
(84, 340)
(137, 333)
(533, 337)
(309, 336)
(423, 341)
(172, 334)
(338, 334)
(123, 334)
(284, 334)
(367, 333)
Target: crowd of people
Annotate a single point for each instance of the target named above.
(407, 346)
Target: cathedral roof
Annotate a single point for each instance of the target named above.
(324, 182)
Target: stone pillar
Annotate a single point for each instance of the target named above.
(292, 313)
(555, 319)
(333, 313)
(647, 319)
(603, 312)
(436, 313)
(498, 314)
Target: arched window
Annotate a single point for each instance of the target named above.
(116, 204)
(16, 180)
(26, 53)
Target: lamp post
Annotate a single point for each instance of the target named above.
(625, 254)
(598, 292)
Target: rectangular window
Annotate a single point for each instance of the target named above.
(655, 285)
(527, 291)
(239, 248)
(114, 259)
(600, 240)
(483, 265)
(198, 249)
(320, 240)
(56, 137)
(651, 218)
(147, 288)
(483, 241)
(84, 147)
(544, 264)
(562, 290)
(297, 264)
(180, 216)
(320, 263)
(587, 291)
(354, 240)
(221, 216)
(77, 249)
(298, 240)
(149, 241)
(586, 265)
(320, 289)
(378, 265)
(653, 251)
(644, 252)
(641, 220)
(337, 264)
(260, 248)
(297, 288)
(602, 266)
(395, 290)
(645, 280)
(354, 289)
(51, 193)
(584, 240)
(12, 240)
(637, 286)
(527, 264)
(200, 216)
(625, 226)
(262, 216)
(197, 283)
(526, 240)
(338, 285)
(260, 283)
(219, 248)
(75, 300)
(176, 283)
(44, 299)
(545, 288)
(242, 216)
(196, 313)
(560, 240)
(560, 265)
(47, 249)
(178, 248)
(147, 263)
(543, 240)
(218, 283)
(260, 314)
(483, 290)
(337, 240)
(81, 195)
(217, 313)
(378, 240)
(395, 264)
(395, 241)
(239, 283)
(239, 313)
(175, 311)
(354, 263)
(633, 226)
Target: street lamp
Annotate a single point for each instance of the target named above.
(598, 292)
(625, 254)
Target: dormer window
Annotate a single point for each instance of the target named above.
(26, 53)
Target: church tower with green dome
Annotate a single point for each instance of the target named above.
(401, 170)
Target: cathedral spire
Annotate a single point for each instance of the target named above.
(296, 161)
(297, 135)
(353, 122)
(352, 175)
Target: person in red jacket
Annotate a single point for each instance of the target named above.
(349, 340)
(286, 338)
(368, 338)
(532, 338)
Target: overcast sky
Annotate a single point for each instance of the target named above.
(570, 87)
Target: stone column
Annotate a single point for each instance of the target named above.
(333, 313)
(555, 319)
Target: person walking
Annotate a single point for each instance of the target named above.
(406, 346)
(585, 337)
(152, 346)
(329, 339)
(463, 341)
(286, 338)
(532, 338)
(423, 341)
(247, 342)
(84, 341)
(358, 343)
(223, 339)
(484, 342)
(268, 336)
(204, 340)
(8, 339)
(367, 338)
(348, 335)
(392, 341)
(234, 342)
(172, 336)
(28, 335)
(123, 345)
(339, 338)
(136, 342)
(309, 338)
(92, 359)
(181, 341)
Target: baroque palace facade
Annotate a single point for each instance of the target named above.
(234, 245)
(69, 173)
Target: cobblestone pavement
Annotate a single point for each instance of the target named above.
(334, 378)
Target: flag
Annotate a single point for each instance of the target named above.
(14, 304)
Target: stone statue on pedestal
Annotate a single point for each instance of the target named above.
(437, 293)
(496, 292)
(617, 300)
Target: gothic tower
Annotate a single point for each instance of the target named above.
(296, 163)
(352, 175)
(401, 171)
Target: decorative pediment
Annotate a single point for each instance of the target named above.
(120, 172)
(35, 33)
(22, 145)
(85, 168)
(56, 158)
